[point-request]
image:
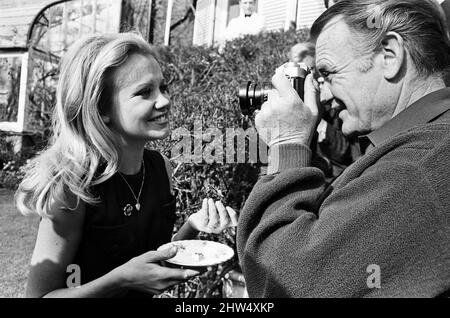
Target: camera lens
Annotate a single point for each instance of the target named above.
(252, 96)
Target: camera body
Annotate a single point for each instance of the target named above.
(253, 95)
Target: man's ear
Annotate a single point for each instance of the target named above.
(394, 54)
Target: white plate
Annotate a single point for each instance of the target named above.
(199, 253)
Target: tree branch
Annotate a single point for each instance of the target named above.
(188, 14)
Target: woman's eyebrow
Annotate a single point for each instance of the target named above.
(143, 85)
(149, 82)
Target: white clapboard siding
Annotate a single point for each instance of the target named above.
(308, 12)
(204, 22)
(221, 20)
(274, 11)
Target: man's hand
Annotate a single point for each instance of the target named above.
(285, 118)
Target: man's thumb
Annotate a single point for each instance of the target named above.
(281, 83)
(310, 99)
(162, 255)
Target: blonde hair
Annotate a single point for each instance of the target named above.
(82, 150)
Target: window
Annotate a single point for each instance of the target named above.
(62, 24)
(233, 9)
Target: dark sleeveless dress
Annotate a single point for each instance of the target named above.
(110, 238)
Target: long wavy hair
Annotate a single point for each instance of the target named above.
(82, 150)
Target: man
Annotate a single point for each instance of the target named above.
(382, 229)
(248, 22)
(334, 151)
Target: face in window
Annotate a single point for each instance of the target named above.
(248, 6)
(140, 104)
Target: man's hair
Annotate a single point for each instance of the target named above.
(421, 24)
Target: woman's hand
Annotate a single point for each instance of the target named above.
(143, 272)
(213, 217)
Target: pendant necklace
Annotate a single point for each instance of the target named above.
(128, 209)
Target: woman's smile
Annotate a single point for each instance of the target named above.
(160, 119)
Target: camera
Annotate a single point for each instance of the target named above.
(253, 95)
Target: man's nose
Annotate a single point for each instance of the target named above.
(325, 93)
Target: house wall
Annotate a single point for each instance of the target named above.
(279, 14)
(308, 12)
(221, 22)
(274, 11)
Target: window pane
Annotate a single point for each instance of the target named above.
(10, 68)
(135, 16)
(42, 87)
(233, 10)
(64, 23)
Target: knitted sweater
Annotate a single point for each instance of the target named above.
(381, 230)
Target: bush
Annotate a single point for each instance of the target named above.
(12, 165)
(203, 87)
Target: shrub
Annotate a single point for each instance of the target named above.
(12, 165)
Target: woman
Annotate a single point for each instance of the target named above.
(105, 201)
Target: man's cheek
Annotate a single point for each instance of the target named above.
(350, 124)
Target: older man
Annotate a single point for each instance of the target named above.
(382, 229)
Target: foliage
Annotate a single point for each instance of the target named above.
(203, 86)
(11, 171)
